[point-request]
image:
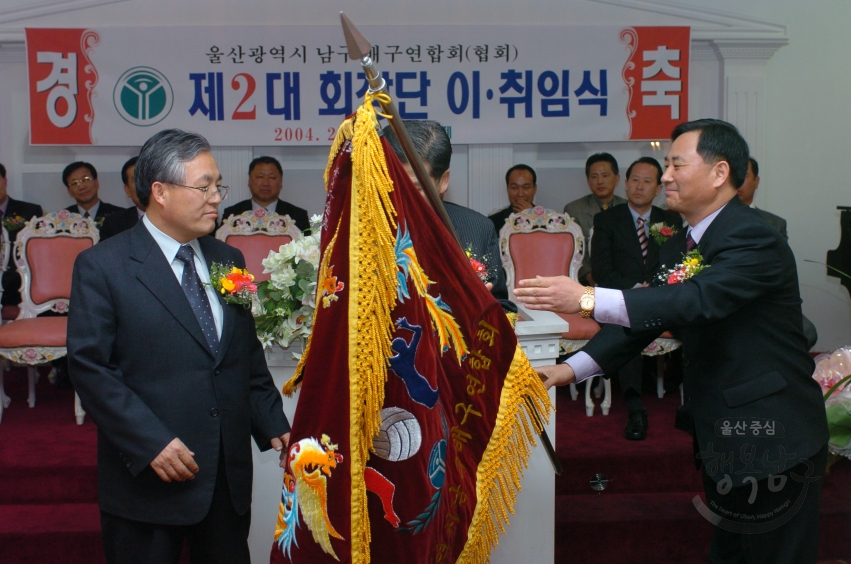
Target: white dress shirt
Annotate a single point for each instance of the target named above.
(169, 247)
(269, 209)
(610, 307)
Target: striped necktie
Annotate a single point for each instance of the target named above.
(690, 243)
(642, 238)
(197, 296)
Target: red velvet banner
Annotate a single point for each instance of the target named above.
(451, 348)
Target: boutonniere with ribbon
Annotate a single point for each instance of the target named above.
(661, 232)
(14, 223)
(691, 265)
(236, 285)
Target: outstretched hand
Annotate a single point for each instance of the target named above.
(556, 375)
(281, 444)
(551, 293)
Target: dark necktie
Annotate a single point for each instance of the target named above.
(690, 244)
(642, 238)
(197, 297)
(86, 215)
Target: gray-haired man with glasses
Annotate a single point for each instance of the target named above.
(174, 377)
(81, 179)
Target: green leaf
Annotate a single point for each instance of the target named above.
(839, 424)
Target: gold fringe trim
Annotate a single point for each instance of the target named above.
(512, 318)
(344, 133)
(372, 297)
(294, 383)
(500, 471)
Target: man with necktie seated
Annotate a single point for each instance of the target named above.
(624, 255)
(14, 214)
(125, 219)
(602, 175)
(173, 376)
(265, 181)
(759, 418)
(81, 180)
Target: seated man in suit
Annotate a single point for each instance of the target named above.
(173, 376)
(602, 175)
(125, 219)
(474, 230)
(746, 194)
(14, 214)
(624, 255)
(521, 182)
(745, 359)
(265, 180)
(81, 180)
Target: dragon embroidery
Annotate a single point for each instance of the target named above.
(306, 489)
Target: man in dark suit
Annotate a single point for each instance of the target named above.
(759, 420)
(746, 194)
(624, 255)
(125, 219)
(14, 214)
(173, 376)
(265, 180)
(475, 231)
(602, 174)
(81, 180)
(521, 183)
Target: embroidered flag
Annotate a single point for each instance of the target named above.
(412, 429)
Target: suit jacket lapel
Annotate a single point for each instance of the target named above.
(156, 274)
(211, 255)
(630, 233)
(717, 226)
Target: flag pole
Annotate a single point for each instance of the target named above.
(359, 50)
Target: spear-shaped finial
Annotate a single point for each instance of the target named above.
(359, 48)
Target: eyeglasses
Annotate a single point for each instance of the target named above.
(77, 182)
(208, 191)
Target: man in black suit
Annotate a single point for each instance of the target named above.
(173, 376)
(746, 193)
(81, 180)
(14, 214)
(521, 183)
(624, 255)
(125, 219)
(475, 231)
(759, 419)
(265, 180)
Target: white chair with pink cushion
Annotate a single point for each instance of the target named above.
(255, 233)
(45, 251)
(543, 242)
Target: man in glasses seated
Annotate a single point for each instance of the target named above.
(81, 179)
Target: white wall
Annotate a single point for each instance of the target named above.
(797, 132)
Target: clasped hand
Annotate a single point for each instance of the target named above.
(559, 294)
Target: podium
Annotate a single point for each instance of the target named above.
(531, 534)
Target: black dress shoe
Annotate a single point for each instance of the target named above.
(636, 426)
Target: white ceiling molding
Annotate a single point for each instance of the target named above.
(27, 10)
(715, 24)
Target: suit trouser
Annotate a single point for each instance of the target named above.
(792, 541)
(630, 374)
(220, 538)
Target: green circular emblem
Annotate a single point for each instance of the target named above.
(143, 96)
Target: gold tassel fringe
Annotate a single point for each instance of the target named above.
(372, 297)
(500, 471)
(344, 133)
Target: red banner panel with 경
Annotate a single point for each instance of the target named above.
(61, 80)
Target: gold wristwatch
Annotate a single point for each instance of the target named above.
(586, 302)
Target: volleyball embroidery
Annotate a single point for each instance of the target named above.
(400, 435)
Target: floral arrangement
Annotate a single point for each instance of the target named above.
(478, 265)
(691, 265)
(236, 285)
(14, 223)
(286, 302)
(661, 232)
(833, 373)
